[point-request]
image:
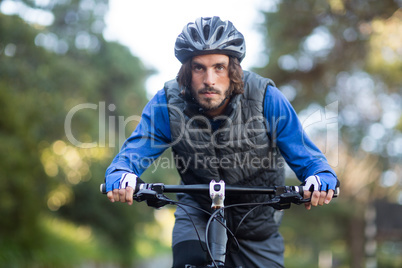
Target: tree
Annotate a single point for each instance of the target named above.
(344, 55)
(47, 167)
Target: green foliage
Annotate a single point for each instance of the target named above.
(348, 53)
(23, 181)
(63, 244)
(41, 170)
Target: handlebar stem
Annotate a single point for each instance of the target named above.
(217, 194)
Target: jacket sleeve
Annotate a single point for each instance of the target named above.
(148, 141)
(287, 133)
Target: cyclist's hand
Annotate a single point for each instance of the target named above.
(126, 189)
(317, 190)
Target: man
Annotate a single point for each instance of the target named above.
(222, 124)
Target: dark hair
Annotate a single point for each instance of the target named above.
(235, 76)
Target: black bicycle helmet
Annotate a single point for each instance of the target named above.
(209, 36)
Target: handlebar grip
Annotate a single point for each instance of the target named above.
(102, 188)
(336, 192)
(337, 188)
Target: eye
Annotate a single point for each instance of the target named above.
(197, 68)
(220, 67)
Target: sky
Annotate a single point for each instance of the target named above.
(150, 28)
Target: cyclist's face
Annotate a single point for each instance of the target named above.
(210, 82)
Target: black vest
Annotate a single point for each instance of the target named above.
(239, 152)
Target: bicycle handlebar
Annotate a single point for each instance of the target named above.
(283, 195)
(201, 188)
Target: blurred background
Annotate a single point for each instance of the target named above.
(70, 93)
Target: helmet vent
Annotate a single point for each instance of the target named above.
(195, 35)
(219, 33)
(206, 31)
(236, 42)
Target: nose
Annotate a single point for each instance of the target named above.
(209, 78)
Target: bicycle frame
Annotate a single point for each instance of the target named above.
(216, 234)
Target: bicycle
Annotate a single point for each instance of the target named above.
(216, 234)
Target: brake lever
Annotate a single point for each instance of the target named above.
(287, 195)
(152, 194)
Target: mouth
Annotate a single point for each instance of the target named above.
(208, 92)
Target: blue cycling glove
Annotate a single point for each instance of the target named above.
(121, 180)
(321, 182)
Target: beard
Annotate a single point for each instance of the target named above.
(210, 104)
